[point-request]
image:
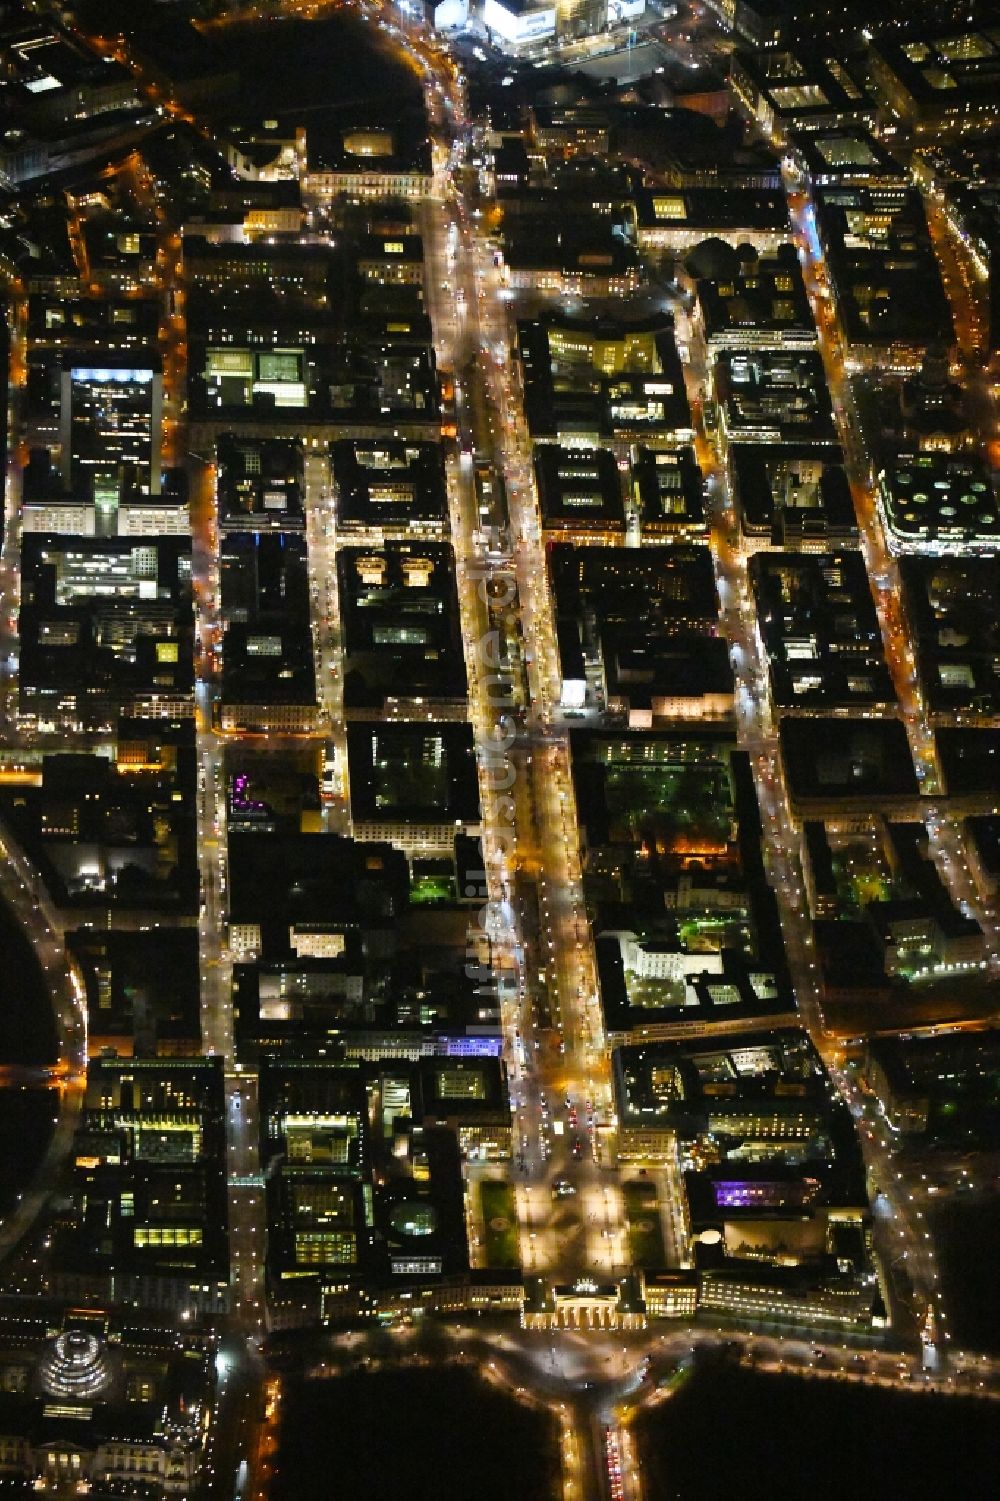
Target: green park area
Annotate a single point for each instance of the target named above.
(679, 805)
(938, 1442)
(861, 876)
(708, 934)
(645, 1237)
(428, 887)
(651, 994)
(499, 1211)
(436, 1433)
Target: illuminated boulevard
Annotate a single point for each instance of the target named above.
(557, 1061)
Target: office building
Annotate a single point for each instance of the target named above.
(149, 1196)
(111, 415)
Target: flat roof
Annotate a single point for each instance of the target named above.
(940, 500)
(846, 759)
(775, 1070)
(669, 487)
(578, 487)
(766, 296)
(400, 619)
(953, 605)
(774, 395)
(384, 482)
(794, 494)
(970, 759)
(883, 264)
(822, 637)
(416, 772)
(938, 67)
(729, 208)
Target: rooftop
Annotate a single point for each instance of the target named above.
(805, 87)
(579, 489)
(116, 832)
(400, 621)
(668, 490)
(969, 758)
(767, 1071)
(796, 496)
(941, 76)
(764, 303)
(724, 210)
(939, 503)
(817, 618)
(418, 773)
(883, 266)
(851, 154)
(307, 892)
(260, 483)
(388, 483)
(142, 988)
(105, 624)
(267, 654)
(953, 605)
(847, 760)
(774, 396)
